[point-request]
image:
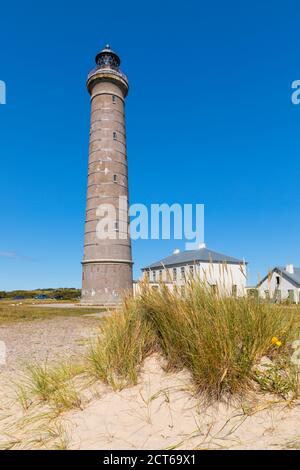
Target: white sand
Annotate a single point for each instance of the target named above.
(161, 412)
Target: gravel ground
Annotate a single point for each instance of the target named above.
(49, 339)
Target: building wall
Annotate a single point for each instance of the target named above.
(285, 286)
(225, 276)
(219, 276)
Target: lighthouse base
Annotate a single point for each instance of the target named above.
(105, 283)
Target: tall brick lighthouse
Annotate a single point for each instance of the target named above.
(107, 261)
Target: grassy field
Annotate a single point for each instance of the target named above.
(28, 310)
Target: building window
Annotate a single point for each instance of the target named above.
(115, 178)
(277, 281)
(160, 275)
(154, 276)
(182, 270)
(291, 295)
(253, 293)
(234, 290)
(114, 135)
(214, 289)
(267, 294)
(114, 98)
(174, 274)
(277, 295)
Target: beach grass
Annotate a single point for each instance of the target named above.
(125, 340)
(52, 384)
(218, 339)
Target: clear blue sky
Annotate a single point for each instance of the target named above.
(209, 120)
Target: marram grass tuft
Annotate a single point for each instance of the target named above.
(218, 339)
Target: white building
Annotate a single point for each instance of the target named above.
(221, 273)
(281, 283)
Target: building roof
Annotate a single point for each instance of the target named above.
(294, 277)
(194, 256)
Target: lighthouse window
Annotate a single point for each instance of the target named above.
(113, 98)
(115, 178)
(114, 135)
(116, 226)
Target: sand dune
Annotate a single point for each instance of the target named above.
(161, 412)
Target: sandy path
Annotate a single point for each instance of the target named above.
(49, 339)
(60, 338)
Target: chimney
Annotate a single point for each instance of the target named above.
(289, 268)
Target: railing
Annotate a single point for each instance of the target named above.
(109, 70)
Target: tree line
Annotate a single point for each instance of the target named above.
(59, 293)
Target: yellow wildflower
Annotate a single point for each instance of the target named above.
(276, 341)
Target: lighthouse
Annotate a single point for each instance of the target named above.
(107, 261)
